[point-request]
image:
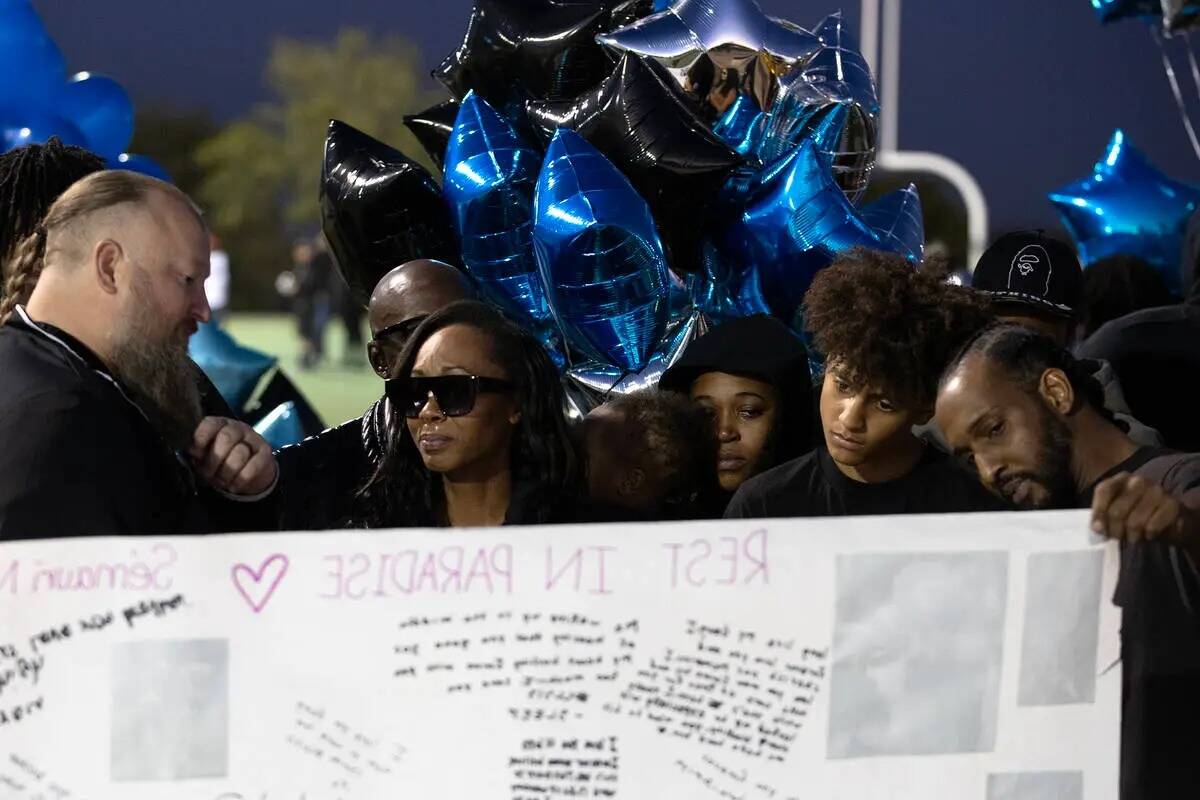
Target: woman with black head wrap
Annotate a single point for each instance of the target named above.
(751, 376)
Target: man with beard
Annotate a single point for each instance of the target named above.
(1030, 420)
(99, 410)
(1036, 281)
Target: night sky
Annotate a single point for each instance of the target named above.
(1023, 93)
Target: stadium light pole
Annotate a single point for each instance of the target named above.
(881, 48)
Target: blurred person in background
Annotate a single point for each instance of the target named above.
(1119, 285)
(315, 274)
(216, 286)
(348, 310)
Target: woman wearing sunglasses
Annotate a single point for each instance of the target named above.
(484, 441)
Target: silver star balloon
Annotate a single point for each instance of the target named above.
(836, 82)
(716, 48)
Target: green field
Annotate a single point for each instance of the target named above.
(337, 391)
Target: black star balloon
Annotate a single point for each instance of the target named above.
(379, 209)
(673, 160)
(432, 128)
(516, 50)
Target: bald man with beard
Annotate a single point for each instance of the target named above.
(100, 414)
(322, 474)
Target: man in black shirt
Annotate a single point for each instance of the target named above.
(1030, 420)
(100, 414)
(886, 330)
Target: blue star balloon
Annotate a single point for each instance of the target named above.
(898, 223)
(1113, 10)
(1128, 206)
(233, 369)
(797, 221)
(723, 290)
(491, 176)
(833, 97)
(742, 126)
(600, 256)
(282, 426)
(710, 45)
(673, 159)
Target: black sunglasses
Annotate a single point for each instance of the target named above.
(455, 394)
(407, 327)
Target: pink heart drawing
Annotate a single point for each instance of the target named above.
(261, 582)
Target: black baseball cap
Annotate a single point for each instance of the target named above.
(1032, 270)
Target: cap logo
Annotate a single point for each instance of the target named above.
(1028, 266)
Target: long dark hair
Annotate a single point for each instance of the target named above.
(545, 471)
(32, 177)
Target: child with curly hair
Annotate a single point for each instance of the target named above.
(887, 331)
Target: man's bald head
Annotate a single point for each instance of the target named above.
(416, 289)
(403, 298)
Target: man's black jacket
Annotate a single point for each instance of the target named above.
(78, 457)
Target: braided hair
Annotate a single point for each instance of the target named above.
(1024, 355)
(32, 177)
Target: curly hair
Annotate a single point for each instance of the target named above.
(889, 325)
(32, 177)
(545, 470)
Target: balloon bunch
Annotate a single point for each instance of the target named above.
(38, 100)
(619, 173)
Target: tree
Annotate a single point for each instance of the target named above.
(170, 136)
(261, 172)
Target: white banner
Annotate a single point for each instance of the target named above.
(956, 656)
